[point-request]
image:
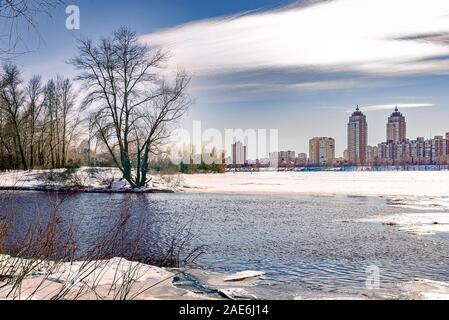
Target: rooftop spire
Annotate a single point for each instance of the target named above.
(396, 110)
(357, 109)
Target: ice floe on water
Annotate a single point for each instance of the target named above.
(245, 285)
(239, 276)
(430, 216)
(420, 203)
(425, 223)
(417, 289)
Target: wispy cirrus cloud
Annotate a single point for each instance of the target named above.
(364, 36)
(323, 85)
(391, 106)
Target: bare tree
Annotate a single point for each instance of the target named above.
(134, 106)
(50, 105)
(35, 96)
(11, 102)
(69, 120)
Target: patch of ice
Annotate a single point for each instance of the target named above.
(236, 293)
(239, 276)
(434, 296)
(422, 223)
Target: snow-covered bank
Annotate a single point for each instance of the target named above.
(119, 279)
(112, 280)
(399, 183)
(97, 280)
(91, 180)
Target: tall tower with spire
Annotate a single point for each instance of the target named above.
(396, 127)
(357, 138)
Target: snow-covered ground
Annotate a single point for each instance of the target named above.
(88, 179)
(97, 280)
(395, 183)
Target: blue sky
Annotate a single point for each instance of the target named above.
(299, 67)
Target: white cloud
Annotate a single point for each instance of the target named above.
(328, 85)
(391, 106)
(352, 35)
(300, 86)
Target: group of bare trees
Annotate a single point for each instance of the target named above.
(38, 121)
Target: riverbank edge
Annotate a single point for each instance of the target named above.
(87, 190)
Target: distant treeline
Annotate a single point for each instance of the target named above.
(202, 168)
(165, 166)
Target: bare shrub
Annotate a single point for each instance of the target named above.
(173, 181)
(107, 178)
(77, 180)
(69, 178)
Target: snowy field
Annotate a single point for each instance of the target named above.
(395, 183)
(398, 183)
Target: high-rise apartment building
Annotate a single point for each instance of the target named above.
(357, 138)
(239, 155)
(396, 127)
(439, 151)
(322, 151)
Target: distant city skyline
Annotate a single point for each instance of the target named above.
(395, 149)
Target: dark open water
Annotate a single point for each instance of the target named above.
(302, 242)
